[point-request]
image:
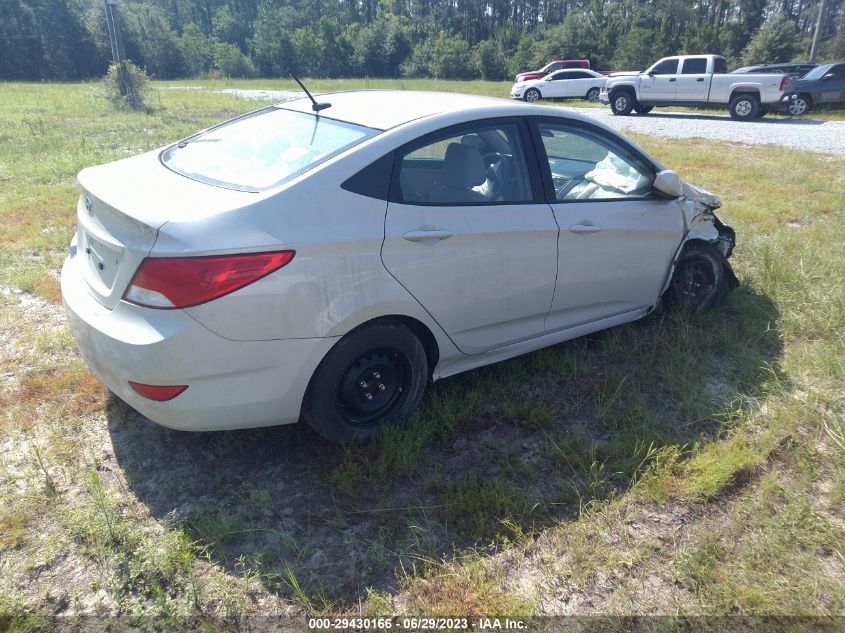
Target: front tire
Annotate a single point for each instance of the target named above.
(800, 105)
(702, 279)
(373, 377)
(532, 95)
(593, 94)
(744, 107)
(621, 103)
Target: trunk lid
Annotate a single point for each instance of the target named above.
(121, 209)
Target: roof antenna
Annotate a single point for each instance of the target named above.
(316, 107)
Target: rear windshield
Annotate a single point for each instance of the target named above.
(262, 149)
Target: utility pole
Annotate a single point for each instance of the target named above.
(117, 54)
(815, 43)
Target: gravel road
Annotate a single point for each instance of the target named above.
(805, 133)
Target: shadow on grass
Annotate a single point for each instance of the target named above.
(493, 455)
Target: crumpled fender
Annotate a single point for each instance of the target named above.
(702, 224)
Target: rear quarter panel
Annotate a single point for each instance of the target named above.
(766, 85)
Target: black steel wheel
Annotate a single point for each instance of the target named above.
(374, 376)
(372, 386)
(702, 279)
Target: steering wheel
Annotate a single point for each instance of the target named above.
(566, 186)
(498, 171)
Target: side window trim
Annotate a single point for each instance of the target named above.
(529, 150)
(534, 123)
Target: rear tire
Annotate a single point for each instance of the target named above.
(373, 377)
(702, 279)
(744, 107)
(622, 102)
(641, 109)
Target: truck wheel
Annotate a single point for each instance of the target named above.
(593, 94)
(800, 105)
(641, 109)
(532, 95)
(744, 107)
(621, 102)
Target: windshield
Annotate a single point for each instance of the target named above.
(262, 149)
(817, 72)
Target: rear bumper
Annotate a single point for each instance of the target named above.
(231, 384)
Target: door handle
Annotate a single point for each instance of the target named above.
(700, 79)
(672, 79)
(584, 228)
(421, 235)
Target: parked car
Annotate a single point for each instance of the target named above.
(821, 86)
(795, 71)
(697, 81)
(327, 264)
(559, 64)
(563, 84)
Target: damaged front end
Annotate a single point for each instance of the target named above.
(703, 224)
(700, 276)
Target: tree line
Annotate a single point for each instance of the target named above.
(452, 39)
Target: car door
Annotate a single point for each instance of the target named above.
(660, 81)
(469, 234)
(557, 84)
(694, 81)
(617, 238)
(579, 83)
(833, 84)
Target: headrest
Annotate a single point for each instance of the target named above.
(473, 140)
(463, 167)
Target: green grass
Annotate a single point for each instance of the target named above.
(563, 472)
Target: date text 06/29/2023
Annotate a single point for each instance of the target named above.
(415, 623)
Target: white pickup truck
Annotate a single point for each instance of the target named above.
(697, 81)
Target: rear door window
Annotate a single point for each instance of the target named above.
(695, 66)
(479, 164)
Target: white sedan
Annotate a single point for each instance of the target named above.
(578, 83)
(324, 262)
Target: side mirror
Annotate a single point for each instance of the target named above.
(668, 183)
(827, 76)
(650, 73)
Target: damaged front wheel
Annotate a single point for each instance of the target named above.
(702, 279)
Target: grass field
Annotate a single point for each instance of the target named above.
(671, 466)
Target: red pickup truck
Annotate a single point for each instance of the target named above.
(559, 64)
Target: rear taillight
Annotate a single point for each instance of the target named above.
(784, 82)
(157, 392)
(182, 282)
